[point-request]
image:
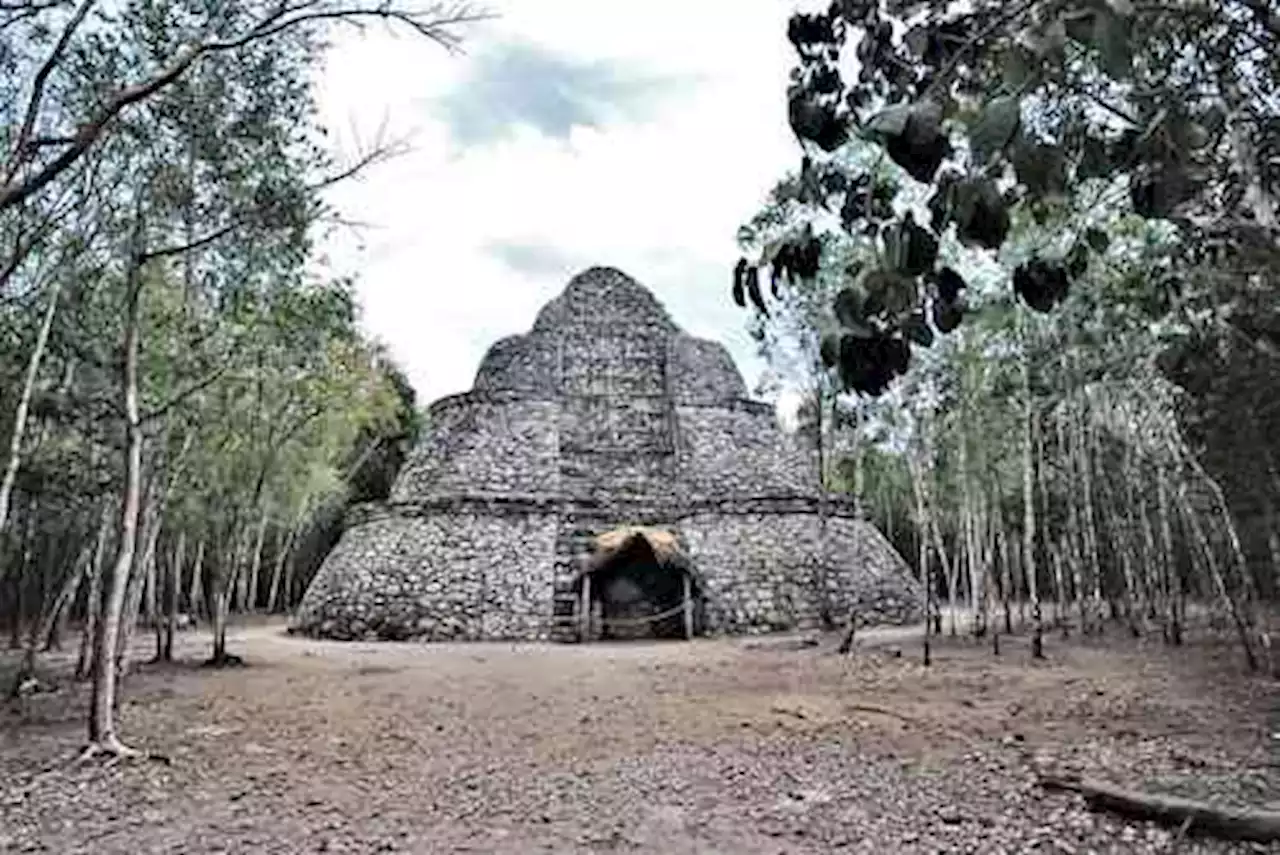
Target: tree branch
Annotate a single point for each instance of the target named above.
(180, 396)
(20, 146)
(244, 217)
(282, 19)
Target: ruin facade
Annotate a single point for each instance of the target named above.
(606, 476)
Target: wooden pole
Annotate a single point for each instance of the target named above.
(688, 608)
(584, 609)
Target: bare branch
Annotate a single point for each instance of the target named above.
(433, 24)
(20, 150)
(180, 396)
(366, 160)
(198, 243)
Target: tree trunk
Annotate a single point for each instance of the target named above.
(19, 430)
(1089, 529)
(256, 566)
(142, 562)
(154, 598)
(20, 578)
(224, 587)
(283, 558)
(1222, 822)
(195, 599)
(1261, 617)
(1220, 583)
(1028, 498)
(43, 626)
(1170, 559)
(102, 703)
(926, 578)
(172, 589)
(93, 604)
(1006, 576)
(49, 634)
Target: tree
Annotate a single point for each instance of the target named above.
(211, 171)
(60, 122)
(1000, 110)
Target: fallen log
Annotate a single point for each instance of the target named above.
(1187, 815)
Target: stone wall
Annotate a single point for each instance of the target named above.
(449, 576)
(484, 443)
(486, 569)
(875, 583)
(760, 570)
(520, 363)
(702, 373)
(739, 451)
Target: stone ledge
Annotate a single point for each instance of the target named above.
(505, 396)
(672, 509)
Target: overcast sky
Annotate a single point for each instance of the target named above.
(571, 133)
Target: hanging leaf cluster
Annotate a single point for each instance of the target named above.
(788, 260)
(1003, 110)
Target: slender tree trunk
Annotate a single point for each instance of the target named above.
(18, 432)
(224, 586)
(1220, 583)
(1261, 617)
(43, 625)
(1069, 552)
(93, 604)
(926, 579)
(102, 703)
(1089, 529)
(154, 597)
(1028, 498)
(1169, 559)
(256, 566)
(50, 636)
(150, 529)
(1006, 577)
(284, 558)
(172, 590)
(195, 599)
(21, 577)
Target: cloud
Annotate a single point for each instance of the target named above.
(532, 259)
(517, 84)
(467, 249)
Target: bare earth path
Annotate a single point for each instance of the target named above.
(732, 747)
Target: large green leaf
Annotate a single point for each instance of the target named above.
(995, 127)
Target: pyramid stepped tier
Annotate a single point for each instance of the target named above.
(605, 414)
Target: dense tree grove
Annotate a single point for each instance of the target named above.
(1033, 249)
(189, 403)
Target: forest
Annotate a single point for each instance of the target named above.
(190, 401)
(1023, 278)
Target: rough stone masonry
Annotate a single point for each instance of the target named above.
(604, 415)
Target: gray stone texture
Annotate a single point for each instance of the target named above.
(604, 414)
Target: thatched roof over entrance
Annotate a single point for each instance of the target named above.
(663, 543)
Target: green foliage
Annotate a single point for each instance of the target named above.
(260, 396)
(1051, 110)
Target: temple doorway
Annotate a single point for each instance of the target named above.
(638, 585)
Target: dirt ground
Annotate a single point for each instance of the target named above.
(728, 747)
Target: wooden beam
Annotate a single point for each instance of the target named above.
(584, 610)
(688, 606)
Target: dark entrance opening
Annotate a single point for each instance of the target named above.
(633, 593)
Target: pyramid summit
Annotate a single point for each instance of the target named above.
(606, 476)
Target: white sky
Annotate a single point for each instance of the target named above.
(657, 188)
